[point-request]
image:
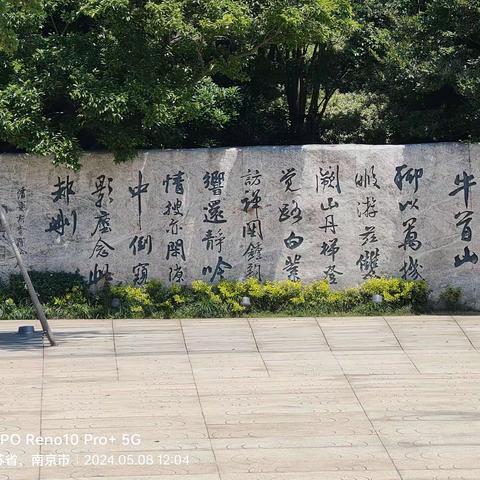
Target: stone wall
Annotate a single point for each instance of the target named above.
(343, 212)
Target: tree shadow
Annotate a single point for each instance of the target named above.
(12, 341)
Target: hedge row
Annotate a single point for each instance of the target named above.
(66, 295)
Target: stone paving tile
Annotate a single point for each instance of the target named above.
(23, 453)
(359, 333)
(354, 458)
(59, 324)
(470, 327)
(304, 441)
(251, 399)
(11, 326)
(332, 384)
(294, 364)
(424, 383)
(419, 398)
(434, 457)
(153, 476)
(331, 425)
(19, 396)
(187, 424)
(75, 369)
(214, 335)
(24, 473)
(452, 361)
(153, 368)
(228, 365)
(288, 335)
(53, 392)
(150, 443)
(73, 339)
(455, 474)
(111, 406)
(159, 476)
(165, 336)
(325, 475)
(435, 431)
(278, 408)
(429, 333)
(163, 434)
(21, 353)
(200, 463)
(375, 363)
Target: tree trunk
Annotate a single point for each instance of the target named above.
(296, 93)
(312, 123)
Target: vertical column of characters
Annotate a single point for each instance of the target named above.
(327, 184)
(103, 248)
(20, 218)
(19, 210)
(368, 260)
(291, 213)
(214, 218)
(412, 268)
(252, 227)
(64, 221)
(464, 183)
(140, 244)
(174, 189)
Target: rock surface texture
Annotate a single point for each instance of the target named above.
(341, 212)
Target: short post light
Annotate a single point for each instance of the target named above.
(377, 299)
(246, 303)
(116, 303)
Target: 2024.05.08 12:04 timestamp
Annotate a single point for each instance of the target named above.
(131, 459)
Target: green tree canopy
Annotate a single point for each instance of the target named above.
(430, 67)
(128, 74)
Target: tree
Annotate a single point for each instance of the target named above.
(126, 74)
(114, 74)
(430, 67)
(308, 55)
(12, 10)
(302, 57)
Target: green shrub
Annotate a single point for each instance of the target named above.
(398, 293)
(277, 296)
(204, 301)
(9, 310)
(135, 302)
(157, 292)
(451, 298)
(48, 285)
(74, 304)
(68, 297)
(419, 299)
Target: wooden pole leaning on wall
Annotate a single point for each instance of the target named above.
(33, 294)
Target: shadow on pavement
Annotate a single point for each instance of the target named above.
(14, 342)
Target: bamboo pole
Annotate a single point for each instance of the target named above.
(31, 290)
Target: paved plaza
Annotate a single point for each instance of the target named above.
(244, 399)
